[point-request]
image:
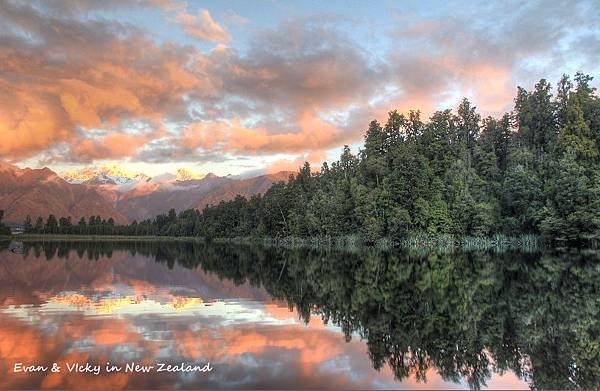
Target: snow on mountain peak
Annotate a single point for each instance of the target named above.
(110, 174)
(185, 174)
(114, 175)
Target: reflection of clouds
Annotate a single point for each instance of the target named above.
(246, 353)
(283, 352)
(119, 305)
(221, 313)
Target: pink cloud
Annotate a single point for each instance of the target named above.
(314, 158)
(232, 136)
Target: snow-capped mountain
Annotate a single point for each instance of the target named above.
(185, 174)
(114, 192)
(137, 196)
(40, 192)
(106, 175)
(112, 174)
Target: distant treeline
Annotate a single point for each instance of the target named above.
(94, 225)
(535, 170)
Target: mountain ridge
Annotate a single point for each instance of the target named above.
(109, 191)
(244, 187)
(41, 192)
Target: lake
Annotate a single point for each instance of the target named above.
(265, 317)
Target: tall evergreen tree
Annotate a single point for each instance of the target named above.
(51, 225)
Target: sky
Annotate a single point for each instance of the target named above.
(239, 87)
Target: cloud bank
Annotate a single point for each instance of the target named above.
(79, 82)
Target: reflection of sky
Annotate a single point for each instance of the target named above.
(250, 340)
(219, 313)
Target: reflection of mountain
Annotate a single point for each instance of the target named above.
(41, 192)
(127, 304)
(34, 280)
(97, 267)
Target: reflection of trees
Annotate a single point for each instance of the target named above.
(466, 315)
(4, 244)
(92, 250)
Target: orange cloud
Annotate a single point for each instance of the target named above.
(233, 136)
(86, 77)
(29, 121)
(314, 158)
(115, 145)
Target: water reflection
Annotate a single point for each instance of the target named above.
(375, 320)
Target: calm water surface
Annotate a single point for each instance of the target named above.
(274, 318)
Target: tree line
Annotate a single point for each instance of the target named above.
(534, 170)
(94, 225)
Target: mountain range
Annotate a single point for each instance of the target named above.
(110, 191)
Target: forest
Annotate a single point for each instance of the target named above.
(535, 170)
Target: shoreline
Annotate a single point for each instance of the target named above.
(524, 242)
(84, 238)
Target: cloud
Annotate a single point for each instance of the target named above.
(233, 18)
(76, 87)
(111, 146)
(301, 65)
(484, 51)
(233, 136)
(202, 26)
(70, 77)
(314, 158)
(76, 77)
(288, 82)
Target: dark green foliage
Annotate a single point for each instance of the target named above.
(27, 225)
(51, 226)
(4, 230)
(39, 226)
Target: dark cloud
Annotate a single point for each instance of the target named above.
(302, 66)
